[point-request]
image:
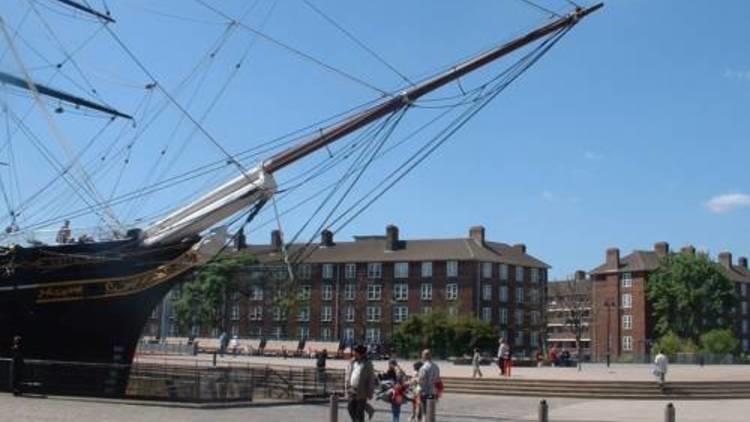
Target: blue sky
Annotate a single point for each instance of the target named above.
(632, 130)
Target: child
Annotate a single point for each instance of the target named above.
(475, 361)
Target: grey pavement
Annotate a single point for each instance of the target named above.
(452, 408)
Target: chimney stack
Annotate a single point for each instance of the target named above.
(326, 238)
(742, 262)
(613, 259)
(276, 241)
(725, 259)
(688, 250)
(520, 247)
(580, 275)
(391, 238)
(661, 249)
(476, 233)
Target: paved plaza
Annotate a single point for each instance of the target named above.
(452, 408)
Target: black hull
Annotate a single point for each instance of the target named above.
(86, 303)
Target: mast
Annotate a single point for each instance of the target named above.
(88, 10)
(355, 123)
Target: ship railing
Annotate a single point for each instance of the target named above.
(12, 236)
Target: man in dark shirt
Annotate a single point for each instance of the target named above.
(320, 364)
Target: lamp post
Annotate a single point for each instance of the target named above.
(609, 304)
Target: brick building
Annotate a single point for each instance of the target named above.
(569, 300)
(621, 312)
(362, 289)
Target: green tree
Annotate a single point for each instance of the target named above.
(690, 296)
(720, 342)
(443, 334)
(671, 344)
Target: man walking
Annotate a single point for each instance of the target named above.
(475, 362)
(502, 351)
(359, 384)
(660, 368)
(429, 380)
(320, 364)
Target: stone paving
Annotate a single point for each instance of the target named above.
(452, 408)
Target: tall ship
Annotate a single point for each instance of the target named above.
(86, 297)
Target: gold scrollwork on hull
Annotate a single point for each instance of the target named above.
(121, 286)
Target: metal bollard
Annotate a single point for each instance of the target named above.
(669, 413)
(431, 407)
(543, 411)
(333, 416)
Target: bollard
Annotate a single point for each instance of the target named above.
(543, 411)
(669, 414)
(334, 411)
(431, 407)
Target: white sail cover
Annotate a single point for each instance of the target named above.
(227, 200)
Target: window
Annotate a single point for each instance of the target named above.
(256, 293)
(235, 312)
(519, 316)
(426, 309)
(627, 300)
(374, 270)
(327, 292)
(304, 271)
(503, 293)
(401, 270)
(519, 338)
(372, 335)
(279, 314)
(451, 291)
(533, 296)
(304, 292)
(486, 292)
(235, 330)
(303, 333)
(744, 326)
(743, 289)
(373, 291)
(400, 313)
(426, 291)
(487, 269)
(519, 294)
(349, 334)
(745, 344)
(400, 291)
(304, 314)
(327, 271)
(503, 271)
(503, 315)
(427, 269)
(277, 332)
(744, 308)
(326, 314)
(519, 273)
(349, 291)
(627, 280)
(534, 339)
(256, 313)
(535, 275)
(350, 271)
(325, 333)
(374, 313)
(535, 317)
(627, 322)
(349, 314)
(486, 313)
(627, 343)
(451, 268)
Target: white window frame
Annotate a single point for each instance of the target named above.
(303, 332)
(304, 314)
(504, 272)
(277, 332)
(372, 335)
(256, 292)
(519, 316)
(425, 291)
(427, 269)
(325, 333)
(451, 268)
(328, 271)
(305, 271)
(350, 290)
(534, 275)
(234, 331)
(326, 313)
(348, 333)
(487, 314)
(374, 270)
(627, 280)
(305, 292)
(401, 270)
(627, 343)
(350, 314)
(503, 316)
(486, 291)
(350, 271)
(534, 339)
(374, 292)
(744, 307)
(519, 339)
(400, 292)
(327, 292)
(279, 314)
(451, 291)
(627, 300)
(236, 312)
(534, 317)
(519, 294)
(486, 270)
(627, 322)
(374, 313)
(503, 293)
(255, 313)
(519, 273)
(400, 313)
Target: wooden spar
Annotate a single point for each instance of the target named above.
(7, 78)
(87, 9)
(378, 111)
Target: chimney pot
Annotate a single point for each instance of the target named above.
(276, 240)
(742, 262)
(661, 249)
(613, 259)
(580, 275)
(725, 259)
(326, 238)
(688, 250)
(391, 238)
(477, 234)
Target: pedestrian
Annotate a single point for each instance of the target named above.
(17, 366)
(396, 376)
(565, 357)
(359, 384)
(416, 409)
(553, 356)
(234, 345)
(430, 383)
(320, 364)
(660, 368)
(539, 358)
(223, 342)
(475, 362)
(508, 360)
(501, 352)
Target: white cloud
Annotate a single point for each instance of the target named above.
(590, 155)
(725, 203)
(737, 74)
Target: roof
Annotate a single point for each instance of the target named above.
(635, 261)
(736, 273)
(558, 288)
(372, 249)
